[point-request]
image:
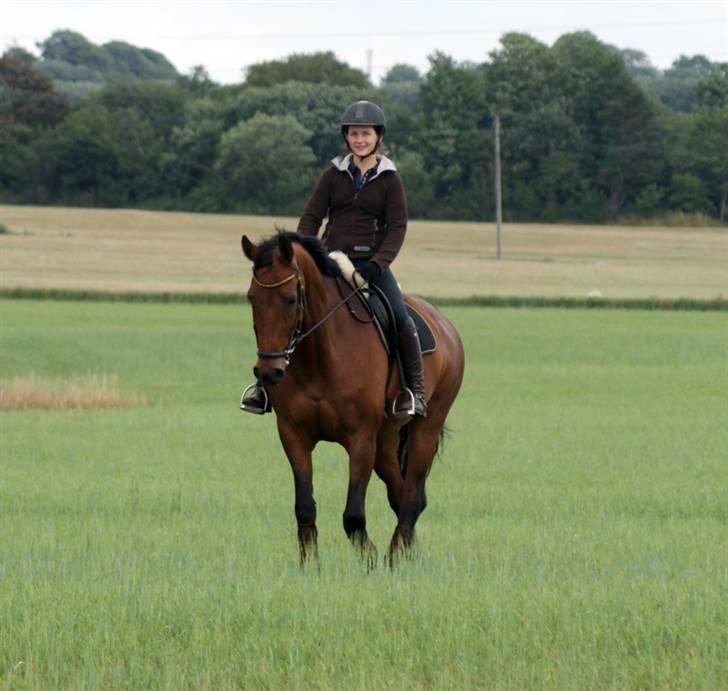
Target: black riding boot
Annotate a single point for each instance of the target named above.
(257, 401)
(411, 354)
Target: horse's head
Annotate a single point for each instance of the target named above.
(277, 298)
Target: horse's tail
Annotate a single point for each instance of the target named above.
(403, 447)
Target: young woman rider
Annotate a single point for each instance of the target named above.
(363, 196)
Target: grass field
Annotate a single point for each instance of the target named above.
(120, 250)
(575, 535)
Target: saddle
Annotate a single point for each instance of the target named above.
(382, 311)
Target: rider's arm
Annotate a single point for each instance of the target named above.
(395, 223)
(317, 206)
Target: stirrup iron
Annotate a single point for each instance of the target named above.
(248, 409)
(410, 409)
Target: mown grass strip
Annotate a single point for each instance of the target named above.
(677, 304)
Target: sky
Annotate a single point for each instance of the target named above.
(225, 36)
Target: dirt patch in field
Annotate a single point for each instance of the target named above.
(33, 392)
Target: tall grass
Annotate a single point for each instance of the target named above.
(575, 535)
(90, 391)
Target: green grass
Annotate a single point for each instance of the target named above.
(575, 535)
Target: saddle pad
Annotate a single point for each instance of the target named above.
(427, 338)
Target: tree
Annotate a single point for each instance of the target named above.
(18, 162)
(73, 48)
(28, 96)
(198, 82)
(402, 88)
(315, 68)
(86, 158)
(615, 122)
(709, 153)
(318, 107)
(457, 146)
(677, 89)
(539, 140)
(144, 63)
(263, 165)
(687, 193)
(637, 63)
(401, 73)
(712, 91)
(193, 146)
(79, 67)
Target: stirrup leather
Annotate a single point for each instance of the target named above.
(409, 397)
(250, 409)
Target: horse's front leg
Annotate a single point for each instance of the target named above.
(299, 451)
(362, 452)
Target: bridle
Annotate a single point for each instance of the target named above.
(296, 336)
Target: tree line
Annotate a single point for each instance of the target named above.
(589, 132)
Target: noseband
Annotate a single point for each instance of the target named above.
(296, 336)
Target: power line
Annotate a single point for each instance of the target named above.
(396, 34)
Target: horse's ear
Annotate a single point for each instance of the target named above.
(285, 248)
(250, 250)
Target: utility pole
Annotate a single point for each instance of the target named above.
(498, 205)
(370, 55)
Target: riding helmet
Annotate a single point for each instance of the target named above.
(364, 113)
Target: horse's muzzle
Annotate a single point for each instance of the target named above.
(268, 376)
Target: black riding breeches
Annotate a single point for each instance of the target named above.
(387, 283)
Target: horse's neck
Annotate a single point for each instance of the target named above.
(322, 297)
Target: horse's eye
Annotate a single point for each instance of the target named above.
(290, 301)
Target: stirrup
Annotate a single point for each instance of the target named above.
(252, 409)
(410, 399)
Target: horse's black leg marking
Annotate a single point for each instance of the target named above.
(423, 442)
(305, 517)
(410, 512)
(361, 463)
(355, 522)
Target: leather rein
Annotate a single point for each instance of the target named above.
(296, 335)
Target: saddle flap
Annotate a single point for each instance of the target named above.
(382, 316)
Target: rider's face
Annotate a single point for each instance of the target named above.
(362, 140)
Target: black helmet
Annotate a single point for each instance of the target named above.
(364, 113)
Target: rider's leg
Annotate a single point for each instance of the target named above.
(409, 344)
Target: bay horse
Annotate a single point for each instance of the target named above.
(329, 378)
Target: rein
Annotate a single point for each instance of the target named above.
(296, 335)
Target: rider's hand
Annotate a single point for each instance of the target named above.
(370, 271)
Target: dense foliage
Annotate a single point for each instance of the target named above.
(589, 132)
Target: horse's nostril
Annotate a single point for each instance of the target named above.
(269, 377)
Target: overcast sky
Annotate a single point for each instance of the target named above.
(226, 35)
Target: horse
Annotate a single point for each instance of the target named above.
(330, 378)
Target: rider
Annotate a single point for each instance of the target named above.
(363, 196)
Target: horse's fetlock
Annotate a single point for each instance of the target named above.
(306, 512)
(355, 524)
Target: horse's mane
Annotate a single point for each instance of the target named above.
(315, 248)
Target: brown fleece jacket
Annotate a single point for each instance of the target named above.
(370, 223)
